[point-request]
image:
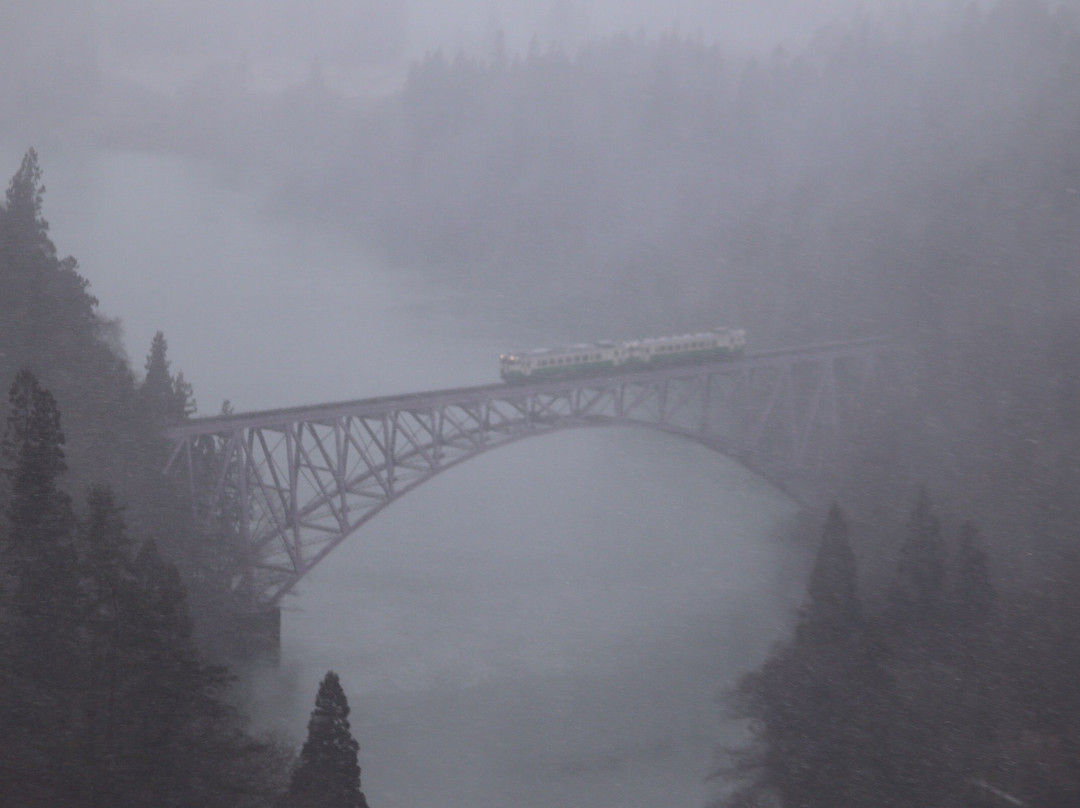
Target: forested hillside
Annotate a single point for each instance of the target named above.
(113, 418)
(106, 695)
(938, 688)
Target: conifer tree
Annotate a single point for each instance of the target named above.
(328, 773)
(832, 611)
(917, 595)
(814, 704)
(924, 754)
(972, 596)
(33, 456)
(43, 641)
(110, 658)
(22, 212)
(40, 523)
(973, 708)
(47, 304)
(166, 398)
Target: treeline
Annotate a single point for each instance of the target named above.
(938, 690)
(812, 194)
(104, 700)
(105, 696)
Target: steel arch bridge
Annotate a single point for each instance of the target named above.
(297, 482)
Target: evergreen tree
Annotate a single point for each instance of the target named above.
(40, 525)
(110, 661)
(972, 709)
(926, 754)
(155, 727)
(46, 307)
(328, 774)
(918, 591)
(173, 699)
(816, 704)
(166, 398)
(42, 640)
(33, 456)
(832, 611)
(972, 596)
(22, 214)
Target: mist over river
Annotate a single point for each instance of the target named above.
(549, 624)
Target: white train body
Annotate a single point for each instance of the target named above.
(706, 346)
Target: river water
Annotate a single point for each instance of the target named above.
(549, 624)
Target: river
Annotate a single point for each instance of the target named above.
(550, 624)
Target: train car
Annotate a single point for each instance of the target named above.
(705, 346)
(542, 362)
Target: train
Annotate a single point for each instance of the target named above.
(597, 357)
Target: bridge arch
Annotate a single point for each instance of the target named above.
(303, 480)
(401, 491)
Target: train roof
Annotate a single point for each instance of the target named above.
(607, 343)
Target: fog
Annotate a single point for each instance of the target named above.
(567, 610)
(378, 197)
(364, 47)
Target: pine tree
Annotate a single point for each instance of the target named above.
(46, 305)
(155, 727)
(33, 456)
(328, 773)
(815, 703)
(110, 595)
(25, 195)
(40, 525)
(43, 640)
(832, 611)
(973, 726)
(972, 597)
(166, 398)
(924, 756)
(918, 591)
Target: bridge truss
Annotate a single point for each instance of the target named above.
(295, 483)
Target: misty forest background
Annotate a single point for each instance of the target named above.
(894, 177)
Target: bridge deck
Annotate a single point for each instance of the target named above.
(464, 395)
